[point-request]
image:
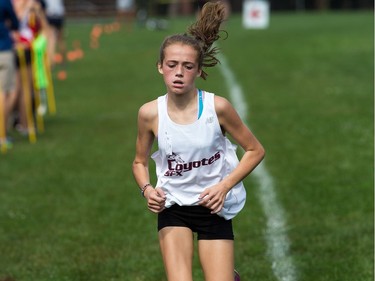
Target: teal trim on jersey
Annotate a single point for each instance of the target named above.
(200, 103)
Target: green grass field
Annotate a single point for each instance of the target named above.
(71, 211)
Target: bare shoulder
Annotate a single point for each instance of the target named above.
(148, 111)
(228, 117)
(222, 105)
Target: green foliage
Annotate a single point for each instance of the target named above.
(70, 209)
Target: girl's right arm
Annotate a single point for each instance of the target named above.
(147, 128)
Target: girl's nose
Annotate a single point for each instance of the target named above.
(179, 71)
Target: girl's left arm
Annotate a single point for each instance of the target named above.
(254, 152)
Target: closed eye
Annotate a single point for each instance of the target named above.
(171, 65)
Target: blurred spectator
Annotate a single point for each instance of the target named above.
(8, 24)
(126, 12)
(32, 21)
(55, 12)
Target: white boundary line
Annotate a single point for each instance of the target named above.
(277, 241)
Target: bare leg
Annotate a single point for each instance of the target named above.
(176, 244)
(217, 259)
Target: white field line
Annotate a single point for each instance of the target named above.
(276, 237)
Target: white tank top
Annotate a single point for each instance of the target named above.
(193, 157)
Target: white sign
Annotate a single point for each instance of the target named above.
(256, 14)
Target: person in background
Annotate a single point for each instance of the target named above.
(55, 12)
(9, 25)
(24, 10)
(126, 11)
(199, 185)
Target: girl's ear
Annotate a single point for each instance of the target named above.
(160, 69)
(199, 73)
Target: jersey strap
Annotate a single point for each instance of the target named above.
(200, 103)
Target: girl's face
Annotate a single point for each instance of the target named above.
(179, 68)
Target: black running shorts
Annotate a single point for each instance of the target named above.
(199, 219)
(57, 22)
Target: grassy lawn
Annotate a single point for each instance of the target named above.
(70, 209)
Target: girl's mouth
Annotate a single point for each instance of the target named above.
(178, 84)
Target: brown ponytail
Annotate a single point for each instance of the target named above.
(201, 35)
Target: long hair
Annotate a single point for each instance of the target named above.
(201, 35)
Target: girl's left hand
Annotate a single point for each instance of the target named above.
(213, 198)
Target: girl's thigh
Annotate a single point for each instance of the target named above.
(176, 244)
(217, 259)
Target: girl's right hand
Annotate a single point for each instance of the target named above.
(155, 199)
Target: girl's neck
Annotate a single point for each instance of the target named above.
(182, 101)
(183, 109)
